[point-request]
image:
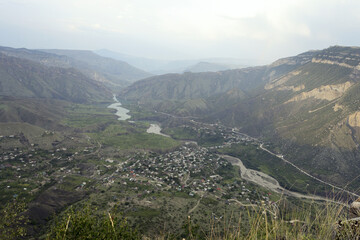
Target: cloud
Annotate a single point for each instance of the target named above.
(186, 28)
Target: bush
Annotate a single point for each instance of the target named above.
(84, 224)
(13, 221)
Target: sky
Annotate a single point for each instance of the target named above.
(182, 29)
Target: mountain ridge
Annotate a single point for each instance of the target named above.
(95, 71)
(25, 78)
(161, 66)
(114, 69)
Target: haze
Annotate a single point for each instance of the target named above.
(187, 29)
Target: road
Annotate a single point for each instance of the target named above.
(267, 181)
(306, 173)
(282, 158)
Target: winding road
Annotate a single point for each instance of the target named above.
(269, 182)
(262, 178)
(308, 174)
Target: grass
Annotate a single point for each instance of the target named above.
(145, 213)
(124, 136)
(102, 125)
(4, 107)
(71, 182)
(182, 133)
(279, 220)
(282, 219)
(139, 113)
(202, 137)
(80, 115)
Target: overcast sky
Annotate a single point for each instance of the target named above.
(182, 29)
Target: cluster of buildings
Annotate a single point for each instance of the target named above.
(190, 168)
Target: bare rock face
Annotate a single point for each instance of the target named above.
(354, 119)
(355, 208)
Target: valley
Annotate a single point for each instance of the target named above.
(107, 163)
(210, 147)
(297, 104)
(85, 168)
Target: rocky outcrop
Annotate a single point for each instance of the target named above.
(342, 64)
(355, 208)
(292, 88)
(338, 107)
(282, 80)
(354, 119)
(328, 92)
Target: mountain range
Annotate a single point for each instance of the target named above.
(159, 66)
(113, 73)
(307, 105)
(25, 78)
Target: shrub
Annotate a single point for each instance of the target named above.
(13, 221)
(84, 224)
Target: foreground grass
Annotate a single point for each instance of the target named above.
(280, 220)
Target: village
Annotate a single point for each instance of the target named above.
(192, 169)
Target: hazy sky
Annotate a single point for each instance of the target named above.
(182, 29)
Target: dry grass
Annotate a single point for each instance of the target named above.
(279, 221)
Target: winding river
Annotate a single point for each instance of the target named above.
(121, 112)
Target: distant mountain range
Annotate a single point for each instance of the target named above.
(308, 105)
(114, 70)
(108, 71)
(210, 67)
(159, 67)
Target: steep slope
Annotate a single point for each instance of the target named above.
(311, 112)
(215, 88)
(105, 70)
(44, 113)
(115, 70)
(24, 78)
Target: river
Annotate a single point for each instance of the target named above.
(267, 181)
(254, 176)
(156, 129)
(121, 112)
